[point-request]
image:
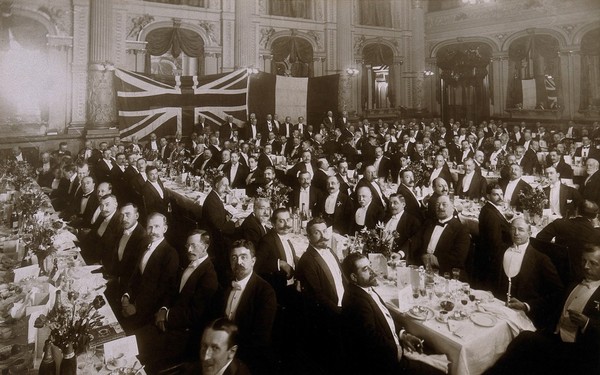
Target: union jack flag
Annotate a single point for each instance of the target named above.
(166, 104)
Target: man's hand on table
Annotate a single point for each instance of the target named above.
(412, 343)
(127, 308)
(515, 304)
(431, 260)
(160, 319)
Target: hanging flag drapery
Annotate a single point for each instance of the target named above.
(166, 104)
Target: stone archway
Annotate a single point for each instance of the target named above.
(292, 56)
(590, 71)
(377, 84)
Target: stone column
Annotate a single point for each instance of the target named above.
(345, 55)
(79, 66)
(396, 70)
(246, 28)
(499, 72)
(267, 61)
(570, 73)
(418, 52)
(101, 103)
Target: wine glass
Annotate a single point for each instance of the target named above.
(455, 273)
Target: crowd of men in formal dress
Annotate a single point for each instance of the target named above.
(289, 312)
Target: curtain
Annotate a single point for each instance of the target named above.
(532, 57)
(174, 40)
(590, 71)
(292, 56)
(375, 13)
(29, 33)
(290, 8)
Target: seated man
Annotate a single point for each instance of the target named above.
(573, 346)
(218, 349)
(367, 213)
(536, 287)
(444, 243)
(374, 345)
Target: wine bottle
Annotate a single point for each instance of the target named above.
(14, 219)
(68, 366)
(48, 365)
(303, 216)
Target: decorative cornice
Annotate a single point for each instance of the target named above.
(137, 23)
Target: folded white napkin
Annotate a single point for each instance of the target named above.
(516, 319)
(438, 361)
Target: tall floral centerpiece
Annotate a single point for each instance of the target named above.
(533, 203)
(376, 241)
(277, 193)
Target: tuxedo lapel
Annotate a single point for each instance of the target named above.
(279, 247)
(324, 267)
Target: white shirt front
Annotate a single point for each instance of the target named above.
(304, 199)
(124, 239)
(513, 259)
(144, 262)
(434, 174)
(189, 270)
(438, 230)
(309, 169)
(334, 268)
(233, 172)
(378, 189)
(108, 163)
(576, 301)
(510, 189)
(289, 255)
(330, 202)
(84, 202)
(494, 157)
(392, 224)
(384, 310)
(466, 184)
(153, 146)
(235, 295)
(159, 189)
(361, 215)
(555, 198)
(104, 224)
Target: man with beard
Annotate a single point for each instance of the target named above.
(154, 275)
(250, 302)
(514, 186)
(471, 185)
(305, 196)
(374, 345)
(440, 187)
(405, 224)
(255, 226)
(322, 281)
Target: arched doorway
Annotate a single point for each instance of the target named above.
(590, 71)
(292, 57)
(26, 81)
(533, 73)
(377, 85)
(174, 51)
(465, 81)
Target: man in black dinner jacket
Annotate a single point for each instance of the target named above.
(155, 274)
(337, 207)
(185, 309)
(572, 344)
(374, 345)
(250, 302)
(254, 226)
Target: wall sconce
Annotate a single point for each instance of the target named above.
(352, 71)
(428, 73)
(252, 70)
(549, 76)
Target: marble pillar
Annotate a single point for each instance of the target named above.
(347, 101)
(101, 96)
(418, 52)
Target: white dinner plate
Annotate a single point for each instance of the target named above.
(426, 314)
(483, 319)
(482, 295)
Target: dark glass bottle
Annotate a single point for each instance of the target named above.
(48, 365)
(68, 366)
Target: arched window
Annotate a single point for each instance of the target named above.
(375, 13)
(174, 51)
(290, 8)
(533, 73)
(292, 56)
(590, 71)
(25, 79)
(465, 81)
(377, 86)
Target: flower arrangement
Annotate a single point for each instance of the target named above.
(150, 155)
(72, 323)
(420, 172)
(212, 174)
(533, 201)
(19, 173)
(277, 193)
(31, 201)
(40, 238)
(377, 240)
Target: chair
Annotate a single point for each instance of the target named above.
(558, 254)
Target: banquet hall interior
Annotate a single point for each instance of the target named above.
(299, 187)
